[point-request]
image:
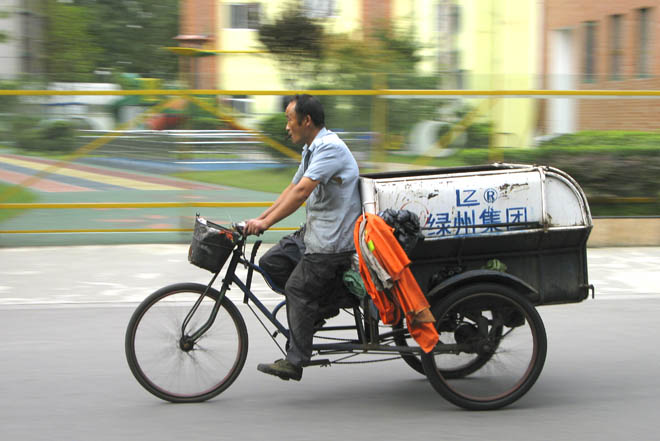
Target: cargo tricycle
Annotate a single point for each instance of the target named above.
(500, 240)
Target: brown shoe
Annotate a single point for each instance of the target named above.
(281, 368)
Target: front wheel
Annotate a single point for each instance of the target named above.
(497, 326)
(173, 368)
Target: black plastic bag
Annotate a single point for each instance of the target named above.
(406, 226)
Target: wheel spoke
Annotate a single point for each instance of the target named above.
(174, 373)
(507, 347)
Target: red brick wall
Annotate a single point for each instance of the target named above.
(610, 114)
(198, 17)
(375, 13)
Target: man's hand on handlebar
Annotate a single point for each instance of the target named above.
(255, 226)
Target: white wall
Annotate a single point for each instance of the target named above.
(562, 115)
(10, 61)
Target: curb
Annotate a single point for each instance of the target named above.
(625, 232)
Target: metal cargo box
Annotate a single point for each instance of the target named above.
(534, 219)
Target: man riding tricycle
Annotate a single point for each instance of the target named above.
(456, 303)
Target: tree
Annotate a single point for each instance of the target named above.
(386, 59)
(296, 41)
(132, 35)
(119, 35)
(70, 53)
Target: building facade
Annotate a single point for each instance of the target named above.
(471, 44)
(21, 26)
(499, 45)
(229, 28)
(601, 45)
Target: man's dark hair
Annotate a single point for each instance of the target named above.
(309, 105)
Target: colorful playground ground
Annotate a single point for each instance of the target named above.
(76, 182)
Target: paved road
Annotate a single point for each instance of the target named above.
(64, 310)
(128, 273)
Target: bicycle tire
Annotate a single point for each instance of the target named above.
(520, 349)
(159, 363)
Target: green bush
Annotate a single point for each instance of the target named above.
(605, 164)
(199, 118)
(478, 135)
(274, 127)
(608, 163)
(604, 171)
(57, 136)
(603, 138)
(204, 123)
(33, 133)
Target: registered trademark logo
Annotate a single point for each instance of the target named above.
(490, 195)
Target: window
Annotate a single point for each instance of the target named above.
(616, 50)
(455, 19)
(240, 103)
(643, 42)
(244, 16)
(320, 8)
(589, 69)
(448, 18)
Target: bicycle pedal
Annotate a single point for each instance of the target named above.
(323, 363)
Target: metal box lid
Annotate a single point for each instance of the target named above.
(480, 200)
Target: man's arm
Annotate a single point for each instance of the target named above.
(289, 201)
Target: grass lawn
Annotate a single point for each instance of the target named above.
(270, 180)
(19, 195)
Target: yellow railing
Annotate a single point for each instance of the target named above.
(106, 205)
(120, 205)
(349, 92)
(190, 94)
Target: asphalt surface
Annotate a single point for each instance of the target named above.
(64, 311)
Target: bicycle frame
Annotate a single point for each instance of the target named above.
(369, 339)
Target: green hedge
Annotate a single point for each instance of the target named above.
(614, 138)
(605, 164)
(31, 133)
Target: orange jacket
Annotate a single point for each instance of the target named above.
(407, 294)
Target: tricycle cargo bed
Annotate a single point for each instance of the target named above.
(533, 219)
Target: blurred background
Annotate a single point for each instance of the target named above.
(119, 120)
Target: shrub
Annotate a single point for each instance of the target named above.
(604, 138)
(33, 133)
(617, 165)
(274, 127)
(478, 135)
(58, 135)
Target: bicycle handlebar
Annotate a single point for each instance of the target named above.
(239, 228)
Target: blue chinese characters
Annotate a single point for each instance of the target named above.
(471, 216)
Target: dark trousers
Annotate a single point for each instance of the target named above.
(282, 258)
(315, 285)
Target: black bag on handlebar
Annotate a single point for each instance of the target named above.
(211, 245)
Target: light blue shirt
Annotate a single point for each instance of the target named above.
(334, 205)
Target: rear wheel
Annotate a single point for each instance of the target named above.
(500, 332)
(167, 363)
